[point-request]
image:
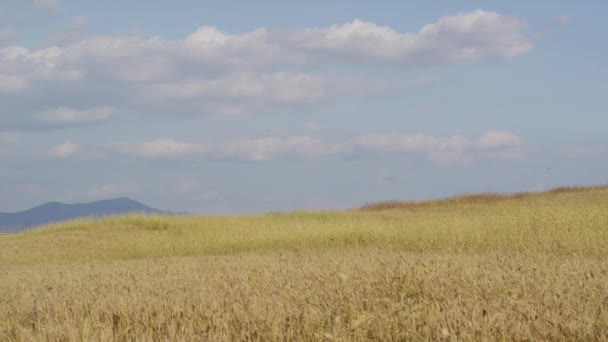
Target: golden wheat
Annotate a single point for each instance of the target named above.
(525, 267)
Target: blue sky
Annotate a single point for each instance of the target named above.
(230, 107)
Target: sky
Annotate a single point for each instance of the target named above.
(224, 107)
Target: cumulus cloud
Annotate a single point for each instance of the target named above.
(21, 67)
(444, 150)
(64, 150)
(112, 190)
(438, 149)
(257, 48)
(233, 93)
(474, 36)
(493, 145)
(477, 35)
(497, 139)
(250, 149)
(63, 116)
(563, 19)
(213, 72)
(499, 145)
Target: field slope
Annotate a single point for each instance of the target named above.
(524, 266)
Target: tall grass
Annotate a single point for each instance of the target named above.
(525, 266)
(564, 222)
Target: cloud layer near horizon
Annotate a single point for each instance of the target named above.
(492, 145)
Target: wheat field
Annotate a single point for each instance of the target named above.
(479, 267)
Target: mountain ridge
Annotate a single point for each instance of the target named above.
(51, 212)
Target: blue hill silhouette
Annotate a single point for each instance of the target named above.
(56, 212)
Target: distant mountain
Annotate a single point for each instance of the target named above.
(56, 212)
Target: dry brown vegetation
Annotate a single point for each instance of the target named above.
(477, 198)
(532, 267)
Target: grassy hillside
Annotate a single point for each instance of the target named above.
(525, 266)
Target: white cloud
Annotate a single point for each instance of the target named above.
(438, 149)
(474, 36)
(249, 88)
(63, 116)
(478, 35)
(497, 139)
(212, 72)
(444, 150)
(563, 19)
(21, 67)
(251, 149)
(257, 48)
(267, 148)
(64, 150)
(112, 190)
(157, 149)
(499, 145)
(493, 145)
